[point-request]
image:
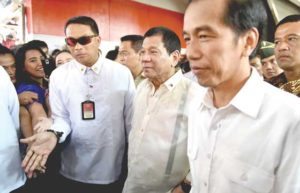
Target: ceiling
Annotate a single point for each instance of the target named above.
(173, 5)
(279, 8)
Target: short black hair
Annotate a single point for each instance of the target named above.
(4, 50)
(170, 39)
(38, 43)
(136, 41)
(242, 15)
(112, 54)
(84, 20)
(55, 52)
(288, 19)
(21, 75)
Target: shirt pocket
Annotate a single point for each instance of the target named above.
(246, 178)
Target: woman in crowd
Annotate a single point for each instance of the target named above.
(63, 57)
(30, 77)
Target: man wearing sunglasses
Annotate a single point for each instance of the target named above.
(91, 100)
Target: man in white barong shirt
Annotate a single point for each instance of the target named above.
(244, 133)
(91, 101)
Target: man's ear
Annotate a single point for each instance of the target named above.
(251, 38)
(99, 39)
(175, 57)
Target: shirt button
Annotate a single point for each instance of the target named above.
(205, 184)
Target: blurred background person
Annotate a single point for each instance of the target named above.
(7, 61)
(287, 52)
(256, 63)
(129, 55)
(269, 65)
(63, 57)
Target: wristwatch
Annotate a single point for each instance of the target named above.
(185, 187)
(56, 133)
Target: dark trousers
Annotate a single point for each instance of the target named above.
(22, 189)
(70, 186)
(44, 183)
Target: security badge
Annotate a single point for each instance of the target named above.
(88, 110)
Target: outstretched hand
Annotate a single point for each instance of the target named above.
(43, 124)
(40, 146)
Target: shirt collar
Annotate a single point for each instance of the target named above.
(248, 100)
(173, 80)
(96, 67)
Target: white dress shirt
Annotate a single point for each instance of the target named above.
(11, 172)
(157, 158)
(96, 147)
(252, 145)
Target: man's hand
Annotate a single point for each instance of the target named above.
(43, 124)
(27, 97)
(40, 147)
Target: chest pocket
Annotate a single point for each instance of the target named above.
(246, 178)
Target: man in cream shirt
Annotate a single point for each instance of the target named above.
(157, 156)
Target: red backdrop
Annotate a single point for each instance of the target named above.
(114, 17)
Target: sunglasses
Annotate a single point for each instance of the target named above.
(84, 40)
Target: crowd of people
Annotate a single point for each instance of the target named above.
(136, 122)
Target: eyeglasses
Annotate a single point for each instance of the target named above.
(84, 40)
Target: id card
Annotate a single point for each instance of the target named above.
(88, 110)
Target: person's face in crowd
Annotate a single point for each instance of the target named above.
(256, 63)
(158, 64)
(287, 46)
(85, 54)
(270, 67)
(128, 56)
(7, 61)
(63, 58)
(213, 49)
(33, 64)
